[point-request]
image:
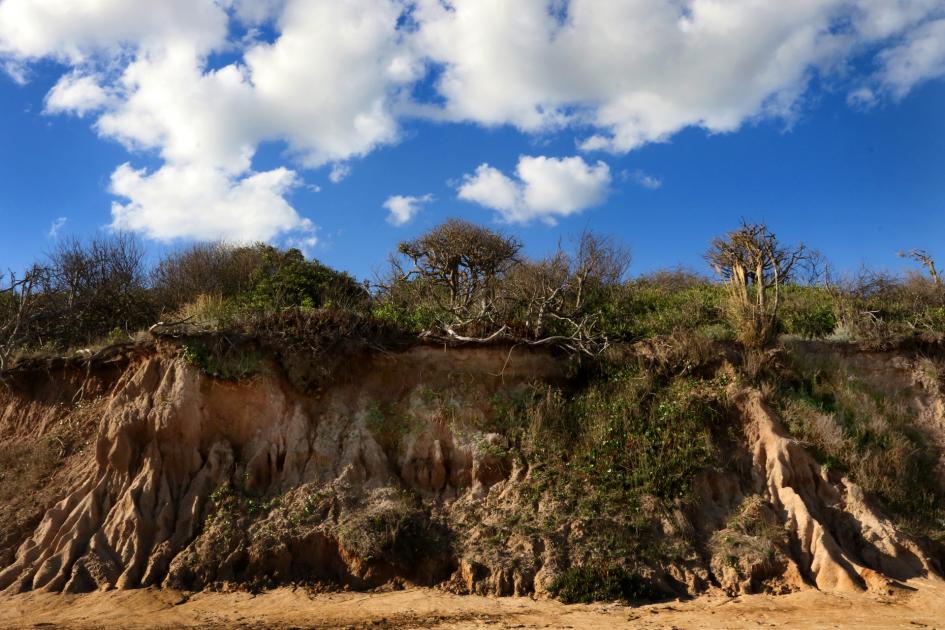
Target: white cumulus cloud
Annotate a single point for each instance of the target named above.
(544, 188)
(74, 30)
(919, 57)
(323, 85)
(403, 208)
(202, 84)
(76, 94)
(638, 71)
(205, 203)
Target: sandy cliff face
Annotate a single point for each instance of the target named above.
(170, 436)
(385, 477)
(837, 541)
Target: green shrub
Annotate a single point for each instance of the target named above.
(869, 435)
(405, 315)
(388, 427)
(807, 312)
(286, 279)
(647, 442)
(591, 583)
(398, 531)
(218, 358)
(657, 305)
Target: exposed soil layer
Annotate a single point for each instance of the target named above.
(391, 476)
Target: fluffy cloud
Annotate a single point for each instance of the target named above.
(403, 208)
(75, 30)
(545, 188)
(919, 57)
(338, 172)
(205, 203)
(639, 71)
(254, 12)
(76, 94)
(336, 78)
(323, 86)
(489, 187)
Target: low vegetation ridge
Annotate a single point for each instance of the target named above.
(240, 416)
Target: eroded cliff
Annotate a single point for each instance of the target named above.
(405, 470)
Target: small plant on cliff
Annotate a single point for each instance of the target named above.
(586, 584)
(388, 426)
(222, 360)
(751, 542)
(399, 531)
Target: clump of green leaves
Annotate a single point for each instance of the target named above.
(616, 453)
(661, 303)
(808, 312)
(285, 279)
(399, 531)
(218, 359)
(590, 583)
(387, 426)
(648, 444)
(401, 310)
(750, 543)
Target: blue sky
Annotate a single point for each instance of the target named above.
(847, 155)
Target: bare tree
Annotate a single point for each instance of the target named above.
(557, 297)
(458, 266)
(205, 269)
(816, 269)
(19, 308)
(755, 266)
(97, 287)
(925, 259)
(478, 289)
(599, 261)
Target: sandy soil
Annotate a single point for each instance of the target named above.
(921, 605)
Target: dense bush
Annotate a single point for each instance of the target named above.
(83, 292)
(102, 291)
(661, 303)
(808, 312)
(462, 282)
(204, 269)
(592, 583)
(258, 277)
(880, 308)
(468, 283)
(284, 279)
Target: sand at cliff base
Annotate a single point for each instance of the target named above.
(921, 605)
